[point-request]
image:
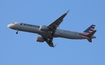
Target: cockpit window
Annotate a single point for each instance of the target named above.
(13, 22)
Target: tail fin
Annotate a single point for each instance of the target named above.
(90, 35)
(90, 29)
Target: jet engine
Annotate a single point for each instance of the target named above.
(39, 39)
(43, 28)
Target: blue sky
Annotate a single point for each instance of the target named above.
(22, 49)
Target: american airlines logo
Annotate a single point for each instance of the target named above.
(29, 25)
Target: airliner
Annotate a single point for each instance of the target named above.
(47, 33)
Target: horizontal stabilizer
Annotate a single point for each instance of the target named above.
(90, 40)
(90, 35)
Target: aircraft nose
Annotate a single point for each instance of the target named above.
(10, 25)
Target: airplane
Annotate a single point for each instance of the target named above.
(47, 33)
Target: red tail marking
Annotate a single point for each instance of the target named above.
(85, 35)
(92, 29)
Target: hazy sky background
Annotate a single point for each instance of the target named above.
(22, 49)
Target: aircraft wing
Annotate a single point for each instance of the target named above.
(53, 26)
(49, 40)
(51, 30)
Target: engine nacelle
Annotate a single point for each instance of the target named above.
(39, 39)
(43, 28)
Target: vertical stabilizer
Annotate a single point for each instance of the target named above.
(90, 29)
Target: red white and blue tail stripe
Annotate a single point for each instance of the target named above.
(90, 29)
(88, 33)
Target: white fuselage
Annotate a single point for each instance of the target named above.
(35, 29)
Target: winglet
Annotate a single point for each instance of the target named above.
(64, 15)
(67, 11)
(55, 45)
